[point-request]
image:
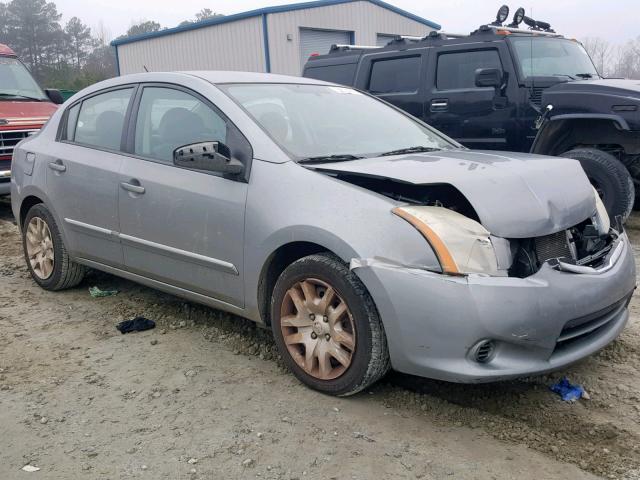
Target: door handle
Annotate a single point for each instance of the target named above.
(58, 166)
(439, 104)
(134, 187)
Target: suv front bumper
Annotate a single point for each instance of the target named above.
(537, 324)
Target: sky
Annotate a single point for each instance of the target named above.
(615, 20)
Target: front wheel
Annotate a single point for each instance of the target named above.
(327, 327)
(609, 177)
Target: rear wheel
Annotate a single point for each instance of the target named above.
(45, 253)
(609, 177)
(327, 327)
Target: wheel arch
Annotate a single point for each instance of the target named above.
(273, 267)
(566, 132)
(27, 203)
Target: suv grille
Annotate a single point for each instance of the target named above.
(535, 95)
(9, 139)
(551, 246)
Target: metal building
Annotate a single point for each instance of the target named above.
(273, 39)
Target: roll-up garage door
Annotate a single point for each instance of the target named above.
(320, 41)
(382, 39)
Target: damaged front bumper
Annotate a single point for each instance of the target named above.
(434, 323)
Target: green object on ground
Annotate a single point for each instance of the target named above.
(95, 292)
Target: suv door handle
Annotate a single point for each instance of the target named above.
(58, 166)
(439, 104)
(133, 187)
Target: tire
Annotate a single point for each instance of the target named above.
(60, 272)
(367, 346)
(609, 177)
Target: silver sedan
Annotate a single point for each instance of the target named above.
(363, 238)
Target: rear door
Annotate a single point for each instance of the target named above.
(472, 115)
(83, 174)
(180, 226)
(396, 77)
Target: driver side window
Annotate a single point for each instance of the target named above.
(169, 118)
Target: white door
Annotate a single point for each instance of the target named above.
(383, 38)
(320, 41)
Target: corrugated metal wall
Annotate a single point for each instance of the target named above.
(239, 45)
(363, 18)
(230, 46)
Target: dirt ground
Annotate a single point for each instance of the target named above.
(204, 396)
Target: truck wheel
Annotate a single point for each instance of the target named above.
(609, 177)
(327, 327)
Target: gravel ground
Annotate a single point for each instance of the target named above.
(204, 395)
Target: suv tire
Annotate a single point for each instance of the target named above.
(44, 251)
(609, 177)
(320, 312)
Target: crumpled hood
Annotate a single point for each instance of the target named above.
(516, 195)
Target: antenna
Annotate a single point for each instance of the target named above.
(145, 68)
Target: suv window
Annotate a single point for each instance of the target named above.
(395, 75)
(457, 70)
(170, 118)
(101, 119)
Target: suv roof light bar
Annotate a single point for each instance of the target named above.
(522, 30)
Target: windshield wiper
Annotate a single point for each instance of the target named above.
(584, 75)
(416, 149)
(329, 158)
(15, 95)
(562, 75)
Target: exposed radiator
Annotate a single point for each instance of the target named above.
(555, 245)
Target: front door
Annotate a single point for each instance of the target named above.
(83, 175)
(477, 117)
(180, 226)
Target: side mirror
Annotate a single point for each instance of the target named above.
(489, 77)
(54, 95)
(209, 156)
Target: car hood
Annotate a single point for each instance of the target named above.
(22, 113)
(515, 195)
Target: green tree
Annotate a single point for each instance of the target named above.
(80, 40)
(33, 31)
(146, 26)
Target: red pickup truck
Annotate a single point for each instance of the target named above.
(24, 108)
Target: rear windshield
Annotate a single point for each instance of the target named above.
(543, 57)
(320, 120)
(16, 81)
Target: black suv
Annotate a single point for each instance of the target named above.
(506, 88)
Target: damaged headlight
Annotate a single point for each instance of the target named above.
(461, 244)
(600, 218)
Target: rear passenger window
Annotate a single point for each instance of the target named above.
(333, 73)
(101, 119)
(395, 75)
(72, 119)
(457, 70)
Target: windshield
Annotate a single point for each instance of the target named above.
(318, 120)
(553, 57)
(16, 81)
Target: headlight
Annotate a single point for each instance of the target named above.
(600, 217)
(462, 245)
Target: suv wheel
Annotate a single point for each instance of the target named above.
(609, 177)
(45, 253)
(327, 327)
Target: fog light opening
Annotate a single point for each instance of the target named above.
(483, 351)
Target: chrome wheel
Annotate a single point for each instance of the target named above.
(40, 248)
(318, 329)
